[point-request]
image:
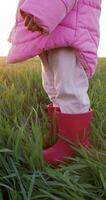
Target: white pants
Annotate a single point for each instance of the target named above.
(65, 80)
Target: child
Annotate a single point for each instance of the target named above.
(65, 34)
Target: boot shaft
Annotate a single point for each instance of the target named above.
(74, 127)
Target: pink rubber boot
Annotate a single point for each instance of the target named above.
(72, 128)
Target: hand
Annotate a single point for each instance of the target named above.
(30, 23)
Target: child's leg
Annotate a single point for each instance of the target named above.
(70, 81)
(48, 77)
(73, 121)
(48, 84)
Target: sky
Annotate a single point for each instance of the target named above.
(7, 20)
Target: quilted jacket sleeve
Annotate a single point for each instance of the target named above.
(48, 13)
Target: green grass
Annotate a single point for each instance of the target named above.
(23, 121)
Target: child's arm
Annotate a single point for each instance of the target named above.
(47, 13)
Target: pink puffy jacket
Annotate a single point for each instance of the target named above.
(70, 23)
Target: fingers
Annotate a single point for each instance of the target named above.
(36, 28)
(28, 20)
(23, 14)
(31, 25)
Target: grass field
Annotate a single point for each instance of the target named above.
(23, 122)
